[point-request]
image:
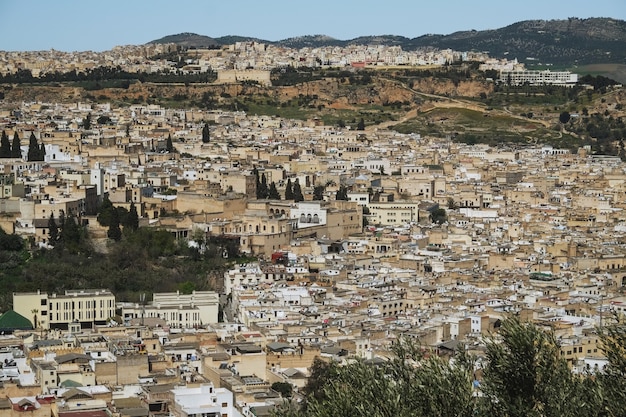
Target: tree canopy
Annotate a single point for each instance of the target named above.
(206, 134)
(35, 152)
(521, 374)
(5, 146)
(297, 191)
(289, 190)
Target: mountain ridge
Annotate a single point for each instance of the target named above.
(557, 42)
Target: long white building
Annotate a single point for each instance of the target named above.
(178, 310)
(535, 77)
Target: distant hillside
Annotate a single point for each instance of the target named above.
(558, 42)
(190, 40)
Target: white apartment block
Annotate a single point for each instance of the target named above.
(178, 310)
(535, 77)
(57, 311)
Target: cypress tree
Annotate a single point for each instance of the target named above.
(273, 193)
(16, 150)
(206, 136)
(318, 192)
(263, 192)
(53, 230)
(33, 148)
(289, 190)
(5, 146)
(105, 212)
(132, 220)
(87, 122)
(297, 192)
(114, 231)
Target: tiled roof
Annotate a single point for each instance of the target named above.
(11, 320)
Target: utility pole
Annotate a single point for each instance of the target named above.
(142, 299)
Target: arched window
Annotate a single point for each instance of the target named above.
(316, 218)
(302, 218)
(308, 218)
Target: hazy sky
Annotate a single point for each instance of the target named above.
(79, 25)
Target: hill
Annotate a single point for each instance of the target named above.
(562, 43)
(190, 40)
(558, 42)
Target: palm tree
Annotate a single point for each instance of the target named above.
(35, 320)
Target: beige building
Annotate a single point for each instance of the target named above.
(87, 307)
(389, 213)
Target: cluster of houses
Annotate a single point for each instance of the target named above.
(430, 239)
(155, 58)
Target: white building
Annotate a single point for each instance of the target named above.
(203, 401)
(535, 77)
(178, 310)
(309, 213)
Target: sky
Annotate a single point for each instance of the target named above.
(82, 25)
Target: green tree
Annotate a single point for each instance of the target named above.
(16, 150)
(613, 379)
(289, 190)
(34, 152)
(318, 192)
(169, 146)
(263, 190)
(114, 231)
(53, 230)
(105, 211)
(273, 193)
(407, 385)
(342, 193)
(5, 146)
(564, 117)
(103, 120)
(87, 122)
(206, 134)
(525, 375)
(321, 373)
(186, 287)
(132, 219)
(297, 191)
(71, 234)
(438, 216)
(361, 125)
(10, 242)
(284, 388)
